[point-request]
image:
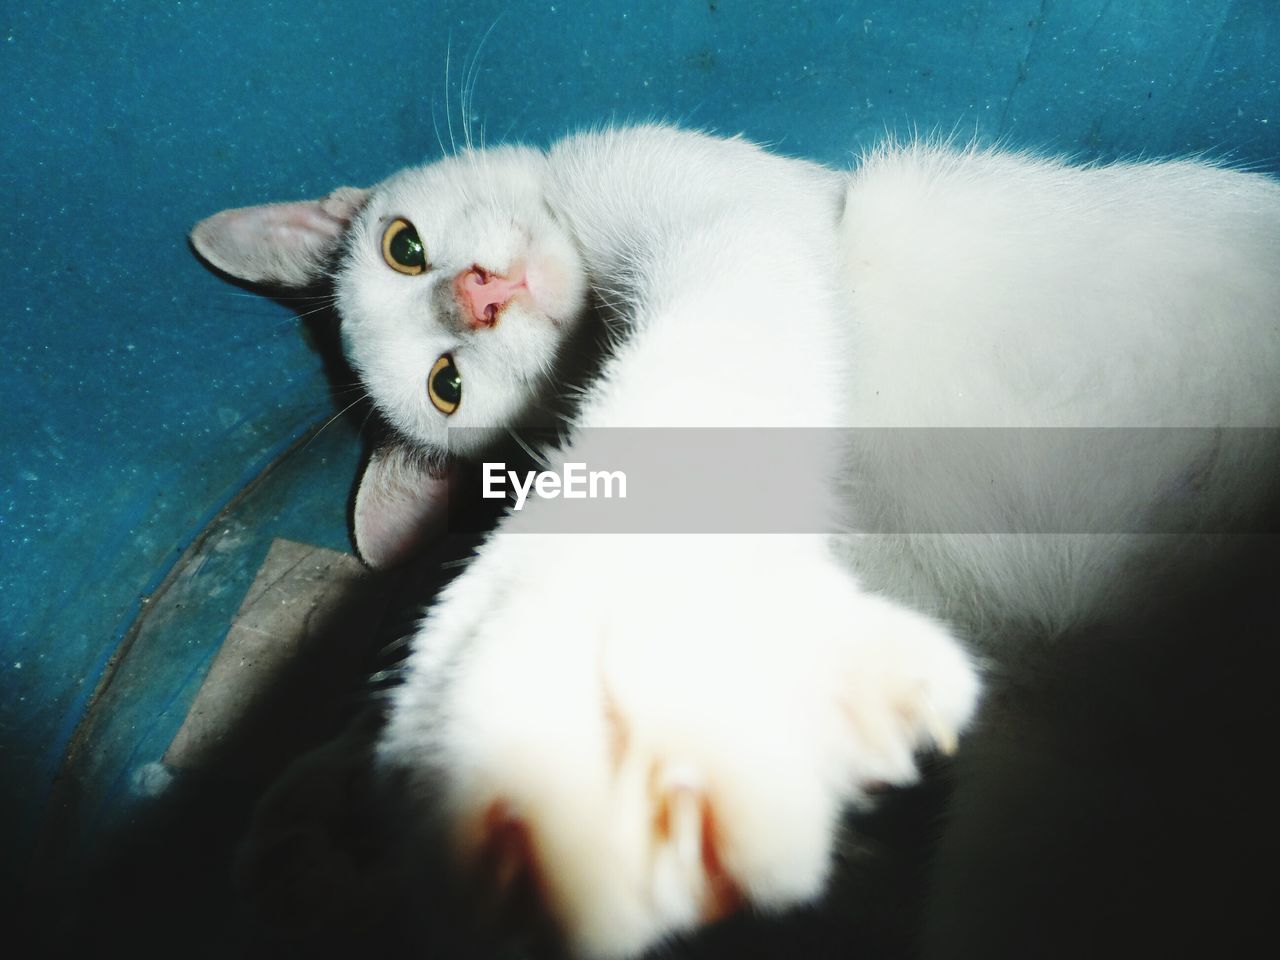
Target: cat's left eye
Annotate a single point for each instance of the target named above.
(402, 249)
(444, 385)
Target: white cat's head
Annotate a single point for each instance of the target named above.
(456, 289)
(455, 283)
(456, 286)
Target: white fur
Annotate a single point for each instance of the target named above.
(991, 289)
(476, 208)
(751, 672)
(622, 696)
(960, 288)
(751, 675)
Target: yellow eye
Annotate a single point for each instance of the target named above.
(402, 249)
(444, 385)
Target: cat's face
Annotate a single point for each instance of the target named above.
(457, 288)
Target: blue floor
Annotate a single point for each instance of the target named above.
(142, 394)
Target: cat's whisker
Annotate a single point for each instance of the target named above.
(459, 563)
(390, 673)
(507, 132)
(396, 645)
(464, 104)
(341, 394)
(435, 125)
(364, 424)
(336, 416)
(534, 455)
(448, 112)
(314, 310)
(344, 392)
(464, 108)
(349, 385)
(264, 314)
(278, 324)
(469, 87)
(258, 296)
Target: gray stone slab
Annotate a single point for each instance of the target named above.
(301, 602)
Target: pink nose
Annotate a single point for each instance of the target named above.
(482, 295)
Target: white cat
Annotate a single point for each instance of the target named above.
(652, 730)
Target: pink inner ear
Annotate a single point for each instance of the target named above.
(308, 218)
(402, 505)
(277, 242)
(294, 230)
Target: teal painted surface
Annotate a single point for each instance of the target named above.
(140, 394)
(110, 772)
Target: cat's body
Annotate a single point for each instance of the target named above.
(654, 729)
(1139, 298)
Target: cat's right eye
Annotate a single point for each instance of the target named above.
(444, 385)
(402, 249)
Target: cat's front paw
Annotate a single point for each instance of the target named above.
(647, 733)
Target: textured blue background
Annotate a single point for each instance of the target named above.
(141, 394)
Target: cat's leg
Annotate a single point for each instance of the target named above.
(648, 731)
(647, 751)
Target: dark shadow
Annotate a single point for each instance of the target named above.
(182, 873)
(1118, 804)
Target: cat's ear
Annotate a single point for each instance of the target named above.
(278, 243)
(401, 505)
